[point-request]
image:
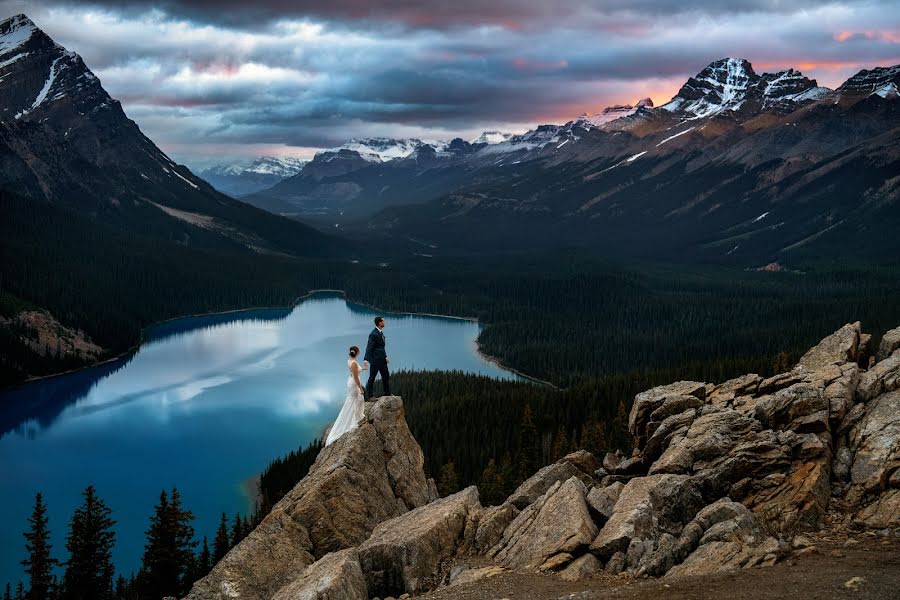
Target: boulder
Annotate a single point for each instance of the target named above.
(647, 402)
(875, 445)
(889, 342)
(581, 464)
(556, 523)
(404, 552)
(493, 522)
(883, 377)
(839, 347)
(365, 477)
(336, 576)
(271, 556)
(602, 500)
(646, 508)
(584, 566)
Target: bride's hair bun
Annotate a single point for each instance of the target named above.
(353, 351)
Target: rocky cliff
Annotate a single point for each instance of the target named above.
(722, 476)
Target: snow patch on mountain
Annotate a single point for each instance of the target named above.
(382, 149)
(492, 137)
(14, 32)
(720, 86)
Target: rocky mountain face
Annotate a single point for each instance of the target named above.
(721, 477)
(739, 167)
(240, 179)
(64, 141)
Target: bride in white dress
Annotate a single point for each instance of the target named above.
(352, 411)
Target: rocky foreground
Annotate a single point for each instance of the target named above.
(722, 477)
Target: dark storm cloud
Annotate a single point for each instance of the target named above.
(230, 76)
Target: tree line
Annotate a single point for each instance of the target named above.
(173, 559)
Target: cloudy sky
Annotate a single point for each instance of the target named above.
(213, 80)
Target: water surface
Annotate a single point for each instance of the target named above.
(204, 404)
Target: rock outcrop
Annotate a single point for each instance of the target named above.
(722, 476)
(368, 476)
(403, 552)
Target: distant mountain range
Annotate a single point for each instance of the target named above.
(737, 167)
(66, 143)
(240, 179)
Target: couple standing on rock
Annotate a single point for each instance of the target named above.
(375, 361)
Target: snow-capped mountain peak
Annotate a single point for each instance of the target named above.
(880, 81)
(383, 149)
(492, 137)
(719, 87)
(611, 113)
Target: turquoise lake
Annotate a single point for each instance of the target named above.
(204, 404)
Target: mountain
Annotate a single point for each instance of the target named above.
(102, 233)
(64, 141)
(738, 168)
(240, 179)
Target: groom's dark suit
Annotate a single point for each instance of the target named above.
(377, 357)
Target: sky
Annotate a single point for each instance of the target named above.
(224, 80)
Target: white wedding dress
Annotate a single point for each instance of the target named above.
(352, 411)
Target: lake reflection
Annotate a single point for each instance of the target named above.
(205, 404)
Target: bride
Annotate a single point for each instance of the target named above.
(352, 411)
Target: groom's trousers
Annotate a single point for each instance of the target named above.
(375, 369)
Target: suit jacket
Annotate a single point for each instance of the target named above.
(375, 352)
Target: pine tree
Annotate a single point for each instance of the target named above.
(221, 543)
(507, 472)
(236, 530)
(560, 445)
(782, 363)
(89, 570)
(121, 587)
(528, 445)
(448, 483)
(491, 485)
(203, 562)
(39, 564)
(621, 438)
(7, 595)
(168, 555)
(20, 591)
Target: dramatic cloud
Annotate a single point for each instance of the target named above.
(207, 79)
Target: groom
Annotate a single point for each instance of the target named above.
(377, 359)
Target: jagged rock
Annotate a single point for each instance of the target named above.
(336, 576)
(367, 476)
(494, 520)
(728, 555)
(839, 347)
(585, 461)
(602, 500)
(875, 443)
(581, 567)
(646, 508)
(883, 377)
(724, 394)
(558, 522)
(647, 402)
(889, 342)
(271, 556)
(578, 464)
(801, 407)
(612, 460)
(373, 474)
(403, 552)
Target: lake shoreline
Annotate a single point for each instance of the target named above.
(134, 348)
